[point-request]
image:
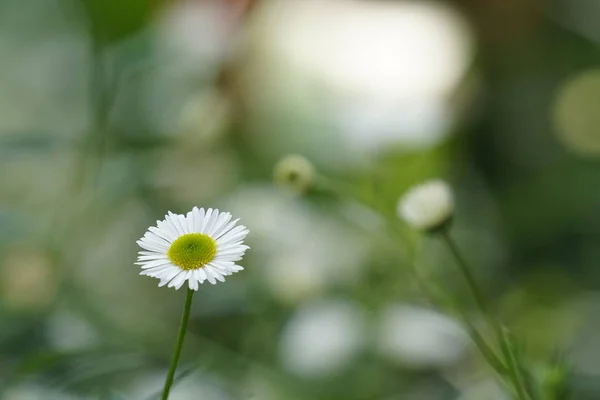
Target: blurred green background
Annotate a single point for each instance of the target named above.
(113, 112)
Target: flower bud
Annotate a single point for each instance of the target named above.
(295, 172)
(428, 206)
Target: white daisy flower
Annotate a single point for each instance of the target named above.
(202, 245)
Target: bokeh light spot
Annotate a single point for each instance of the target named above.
(576, 115)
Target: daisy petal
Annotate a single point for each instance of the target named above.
(192, 281)
(166, 276)
(210, 274)
(189, 219)
(148, 253)
(153, 263)
(171, 220)
(233, 252)
(225, 247)
(199, 219)
(228, 258)
(150, 246)
(153, 238)
(222, 221)
(205, 220)
(177, 281)
(185, 278)
(156, 271)
(201, 275)
(237, 233)
(152, 257)
(210, 223)
(196, 280)
(167, 229)
(221, 269)
(183, 223)
(225, 229)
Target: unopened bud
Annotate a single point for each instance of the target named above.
(428, 206)
(295, 172)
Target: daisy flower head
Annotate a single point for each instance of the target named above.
(203, 245)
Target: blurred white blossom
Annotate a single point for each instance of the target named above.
(198, 32)
(302, 250)
(420, 338)
(427, 206)
(295, 277)
(385, 50)
(322, 337)
(385, 74)
(369, 127)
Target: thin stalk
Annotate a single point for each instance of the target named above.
(427, 289)
(471, 282)
(510, 362)
(486, 351)
(443, 301)
(185, 317)
(513, 367)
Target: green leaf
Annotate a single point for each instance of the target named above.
(112, 20)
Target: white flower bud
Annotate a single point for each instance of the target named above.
(428, 206)
(295, 172)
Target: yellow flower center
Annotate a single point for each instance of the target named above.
(192, 251)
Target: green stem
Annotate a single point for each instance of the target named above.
(513, 368)
(484, 308)
(466, 271)
(178, 345)
(444, 301)
(488, 353)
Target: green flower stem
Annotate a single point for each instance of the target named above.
(433, 294)
(443, 301)
(516, 374)
(513, 370)
(490, 356)
(466, 271)
(178, 345)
